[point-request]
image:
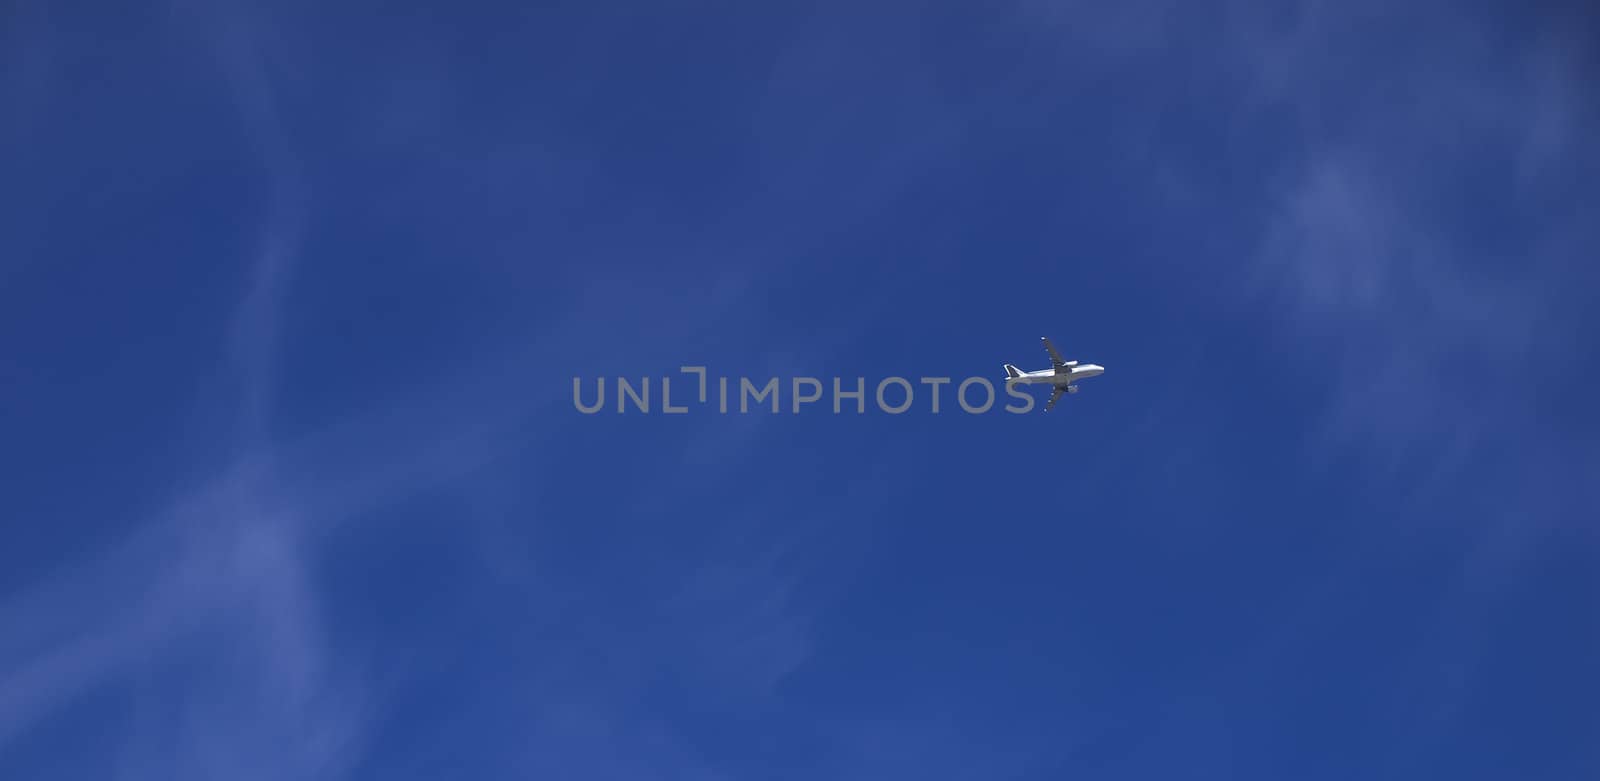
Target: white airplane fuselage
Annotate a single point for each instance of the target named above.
(1064, 375)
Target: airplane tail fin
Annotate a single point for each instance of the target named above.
(1012, 372)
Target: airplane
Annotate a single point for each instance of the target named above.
(1060, 376)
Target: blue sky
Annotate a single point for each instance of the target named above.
(292, 296)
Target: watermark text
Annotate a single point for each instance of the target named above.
(695, 389)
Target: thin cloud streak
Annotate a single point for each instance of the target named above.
(1421, 346)
(241, 538)
(232, 555)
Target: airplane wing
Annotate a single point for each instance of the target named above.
(1055, 355)
(1056, 394)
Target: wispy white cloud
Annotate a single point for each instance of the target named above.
(229, 563)
(1417, 208)
(1419, 322)
(1420, 254)
(1429, 213)
(221, 585)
